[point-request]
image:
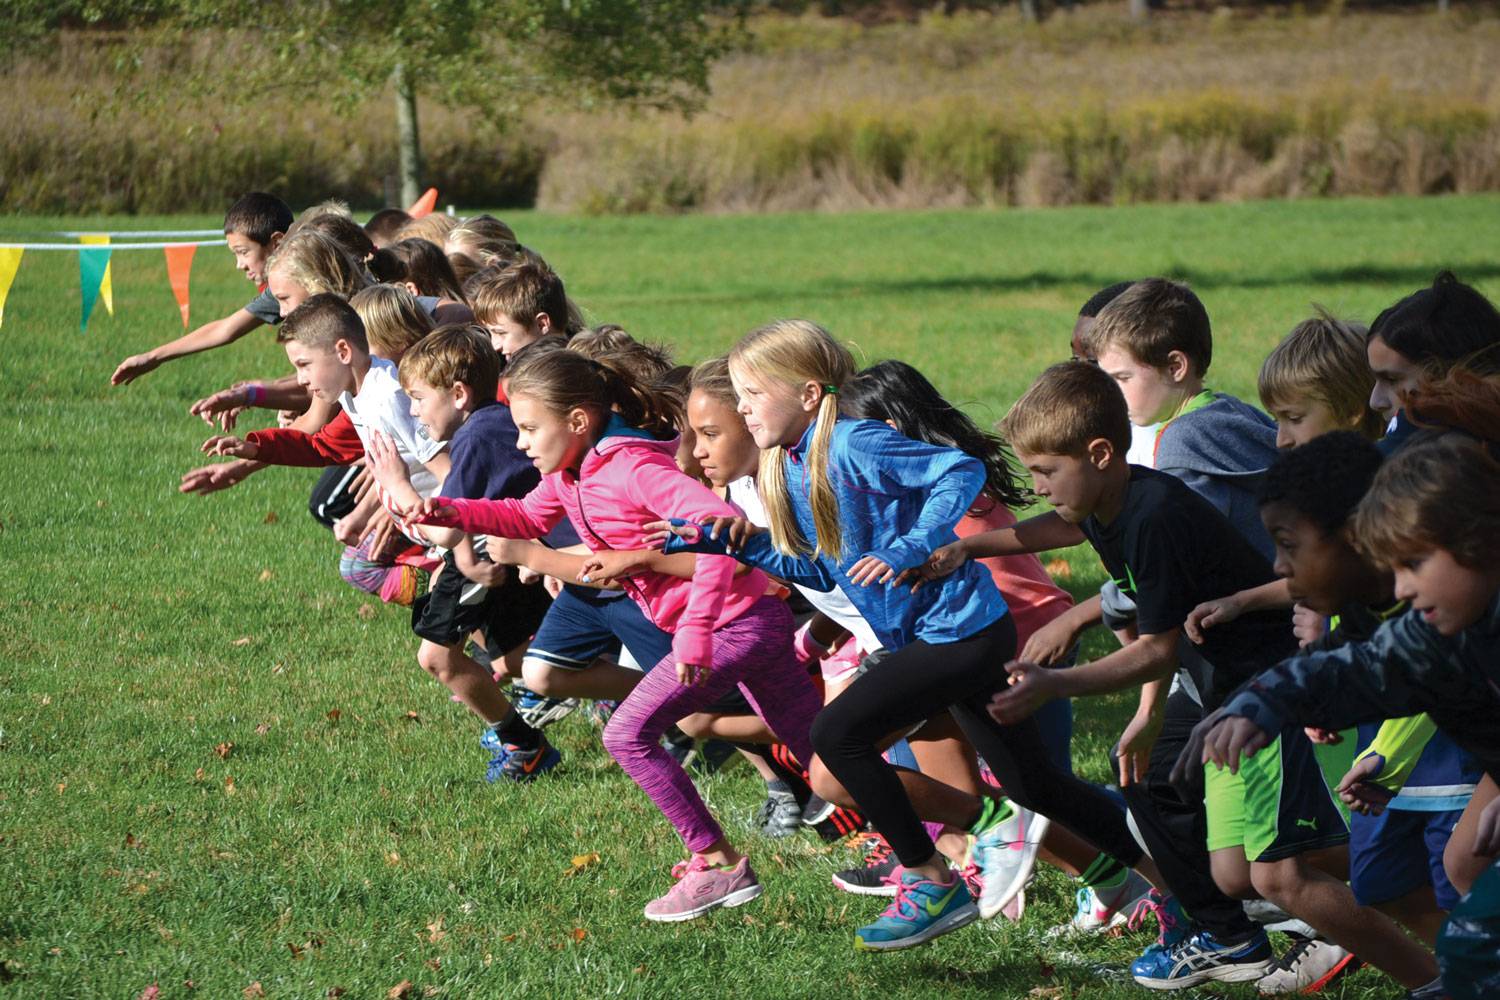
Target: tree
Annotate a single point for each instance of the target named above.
(496, 58)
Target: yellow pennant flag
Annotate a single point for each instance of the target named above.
(10, 260)
(106, 288)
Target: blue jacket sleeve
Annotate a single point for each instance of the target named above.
(760, 553)
(1406, 667)
(950, 480)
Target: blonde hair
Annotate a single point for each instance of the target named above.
(712, 378)
(319, 264)
(458, 352)
(332, 206)
(394, 320)
(793, 352)
(1069, 405)
(433, 228)
(1324, 359)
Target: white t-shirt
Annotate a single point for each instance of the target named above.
(1142, 445)
(381, 405)
(743, 494)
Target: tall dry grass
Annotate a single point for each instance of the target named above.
(974, 108)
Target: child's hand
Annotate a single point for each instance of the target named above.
(228, 444)
(1324, 737)
(1487, 831)
(1234, 738)
(945, 560)
(223, 407)
(1359, 790)
(1134, 749)
(870, 570)
(1307, 625)
(657, 532)
(733, 531)
(1031, 687)
(552, 585)
(133, 368)
(385, 463)
(1211, 613)
(286, 418)
(434, 510)
(385, 540)
(602, 567)
(212, 478)
(690, 674)
(1049, 644)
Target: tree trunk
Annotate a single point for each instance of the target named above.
(1140, 10)
(408, 142)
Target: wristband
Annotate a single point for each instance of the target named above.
(807, 647)
(255, 393)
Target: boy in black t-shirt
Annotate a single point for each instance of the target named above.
(451, 376)
(1167, 549)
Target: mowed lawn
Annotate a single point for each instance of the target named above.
(220, 766)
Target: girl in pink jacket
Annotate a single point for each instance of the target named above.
(606, 448)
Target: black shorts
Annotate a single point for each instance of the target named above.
(508, 614)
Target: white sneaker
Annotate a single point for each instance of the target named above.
(1105, 909)
(1308, 966)
(1006, 856)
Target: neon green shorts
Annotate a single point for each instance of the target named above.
(1282, 802)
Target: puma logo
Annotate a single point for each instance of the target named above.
(1311, 824)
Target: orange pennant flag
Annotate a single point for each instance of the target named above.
(424, 205)
(179, 269)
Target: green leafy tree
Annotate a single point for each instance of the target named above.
(495, 58)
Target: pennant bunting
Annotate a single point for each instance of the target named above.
(179, 270)
(106, 287)
(10, 260)
(92, 265)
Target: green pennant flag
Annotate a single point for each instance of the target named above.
(92, 263)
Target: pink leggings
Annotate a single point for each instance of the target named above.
(753, 651)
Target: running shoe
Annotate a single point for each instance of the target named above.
(1172, 925)
(1309, 966)
(601, 710)
(922, 910)
(831, 823)
(538, 710)
(1202, 958)
(876, 877)
(780, 815)
(1106, 909)
(701, 887)
(516, 764)
(1006, 856)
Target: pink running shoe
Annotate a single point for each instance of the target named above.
(701, 887)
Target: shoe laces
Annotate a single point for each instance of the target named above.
(694, 864)
(879, 854)
(1152, 905)
(902, 907)
(973, 878)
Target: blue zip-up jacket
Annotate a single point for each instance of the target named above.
(898, 501)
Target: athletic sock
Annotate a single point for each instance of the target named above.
(992, 812)
(1104, 872)
(515, 731)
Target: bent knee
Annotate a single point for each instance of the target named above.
(826, 786)
(1232, 876)
(541, 677)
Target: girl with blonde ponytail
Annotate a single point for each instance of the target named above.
(854, 505)
(606, 446)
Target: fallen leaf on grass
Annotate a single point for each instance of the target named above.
(188, 984)
(265, 575)
(435, 964)
(435, 932)
(1046, 992)
(224, 749)
(393, 859)
(296, 951)
(508, 938)
(270, 518)
(1060, 568)
(413, 717)
(366, 611)
(579, 934)
(150, 992)
(401, 990)
(262, 729)
(334, 714)
(198, 774)
(54, 950)
(334, 992)
(243, 640)
(254, 990)
(582, 861)
(46, 699)
(229, 785)
(62, 786)
(130, 840)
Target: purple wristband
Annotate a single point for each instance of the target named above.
(255, 394)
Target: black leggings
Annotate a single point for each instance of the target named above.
(920, 680)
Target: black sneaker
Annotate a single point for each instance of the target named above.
(877, 877)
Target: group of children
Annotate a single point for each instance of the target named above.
(819, 567)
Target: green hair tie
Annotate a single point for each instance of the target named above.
(831, 389)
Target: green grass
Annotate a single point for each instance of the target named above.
(142, 629)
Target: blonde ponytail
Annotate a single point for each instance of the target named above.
(795, 352)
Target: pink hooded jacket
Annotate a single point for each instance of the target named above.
(627, 480)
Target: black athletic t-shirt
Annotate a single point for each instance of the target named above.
(1170, 550)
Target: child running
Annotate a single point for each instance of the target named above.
(852, 504)
(605, 446)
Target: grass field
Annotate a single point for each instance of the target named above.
(220, 765)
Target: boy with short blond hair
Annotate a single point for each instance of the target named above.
(254, 227)
(519, 304)
(1318, 380)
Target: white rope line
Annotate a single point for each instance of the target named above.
(142, 232)
(111, 246)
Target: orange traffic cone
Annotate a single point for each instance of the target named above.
(424, 205)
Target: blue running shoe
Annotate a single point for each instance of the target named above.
(1172, 925)
(514, 764)
(1200, 959)
(922, 910)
